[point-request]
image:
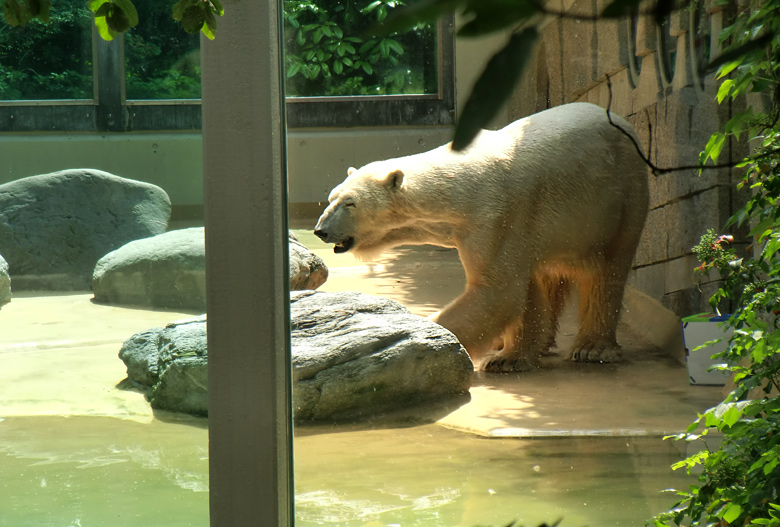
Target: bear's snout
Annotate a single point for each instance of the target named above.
(319, 233)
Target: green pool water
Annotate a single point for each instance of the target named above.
(99, 471)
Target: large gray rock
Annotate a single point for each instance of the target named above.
(169, 271)
(55, 227)
(354, 357)
(5, 282)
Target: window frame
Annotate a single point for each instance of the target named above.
(111, 111)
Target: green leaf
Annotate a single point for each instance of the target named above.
(714, 146)
(105, 32)
(394, 45)
(370, 7)
(44, 9)
(104, 10)
(490, 18)
(12, 13)
(771, 247)
(117, 19)
(37, 9)
(725, 89)
(732, 415)
(216, 7)
(421, 12)
(209, 28)
(193, 18)
(181, 6)
(738, 52)
(728, 68)
(494, 86)
(294, 68)
(731, 512)
(692, 427)
(94, 5)
(761, 228)
(769, 468)
(129, 11)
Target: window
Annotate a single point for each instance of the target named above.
(48, 61)
(699, 39)
(162, 61)
(149, 78)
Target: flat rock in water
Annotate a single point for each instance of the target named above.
(354, 357)
(55, 227)
(5, 282)
(169, 271)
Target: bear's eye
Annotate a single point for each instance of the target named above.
(349, 203)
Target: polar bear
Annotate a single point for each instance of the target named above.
(551, 201)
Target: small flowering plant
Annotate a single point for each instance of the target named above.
(716, 252)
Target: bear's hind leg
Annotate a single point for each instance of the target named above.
(601, 288)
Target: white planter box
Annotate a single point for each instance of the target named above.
(697, 330)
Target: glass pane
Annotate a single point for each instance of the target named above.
(564, 435)
(328, 51)
(48, 61)
(162, 60)
(81, 443)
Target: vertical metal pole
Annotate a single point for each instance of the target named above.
(247, 269)
(110, 60)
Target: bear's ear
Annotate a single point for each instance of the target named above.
(394, 179)
(350, 170)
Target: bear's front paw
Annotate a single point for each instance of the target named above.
(502, 364)
(596, 353)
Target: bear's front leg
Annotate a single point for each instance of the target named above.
(528, 337)
(474, 319)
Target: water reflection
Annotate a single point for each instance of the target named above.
(434, 477)
(103, 471)
(80, 471)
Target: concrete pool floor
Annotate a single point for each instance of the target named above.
(58, 352)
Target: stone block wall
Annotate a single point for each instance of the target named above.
(649, 76)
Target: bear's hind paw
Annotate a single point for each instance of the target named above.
(593, 353)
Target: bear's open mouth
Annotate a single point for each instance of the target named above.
(344, 246)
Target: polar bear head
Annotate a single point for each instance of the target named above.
(361, 210)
